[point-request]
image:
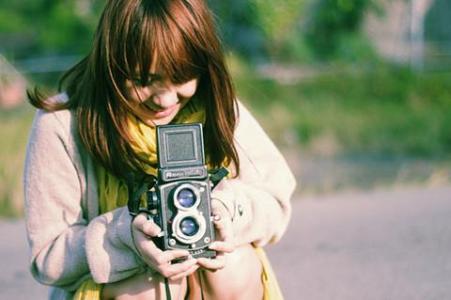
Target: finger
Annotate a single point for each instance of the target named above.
(223, 228)
(139, 219)
(219, 211)
(168, 256)
(188, 272)
(212, 264)
(178, 268)
(148, 227)
(219, 222)
(147, 248)
(217, 207)
(151, 229)
(154, 256)
(222, 246)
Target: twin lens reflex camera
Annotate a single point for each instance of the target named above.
(178, 199)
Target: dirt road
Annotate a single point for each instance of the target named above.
(378, 245)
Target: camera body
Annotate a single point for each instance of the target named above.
(178, 199)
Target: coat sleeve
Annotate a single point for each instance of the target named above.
(111, 253)
(259, 198)
(57, 226)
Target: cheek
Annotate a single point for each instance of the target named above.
(136, 94)
(139, 95)
(188, 89)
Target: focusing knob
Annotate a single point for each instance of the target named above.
(152, 200)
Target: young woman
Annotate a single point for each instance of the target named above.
(153, 62)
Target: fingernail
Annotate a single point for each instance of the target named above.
(193, 260)
(161, 234)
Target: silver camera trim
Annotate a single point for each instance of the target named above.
(177, 231)
(195, 192)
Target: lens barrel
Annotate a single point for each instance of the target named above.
(189, 226)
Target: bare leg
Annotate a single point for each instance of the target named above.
(240, 279)
(140, 287)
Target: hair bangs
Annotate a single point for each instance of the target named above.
(178, 58)
(161, 46)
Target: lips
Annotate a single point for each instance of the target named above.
(161, 113)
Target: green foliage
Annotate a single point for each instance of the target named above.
(14, 128)
(41, 27)
(380, 110)
(262, 29)
(296, 30)
(355, 48)
(66, 22)
(259, 29)
(278, 18)
(330, 20)
(239, 27)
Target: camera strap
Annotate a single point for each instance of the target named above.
(191, 279)
(168, 290)
(201, 286)
(217, 175)
(136, 188)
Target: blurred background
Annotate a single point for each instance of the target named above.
(356, 93)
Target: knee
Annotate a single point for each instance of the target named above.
(246, 268)
(240, 279)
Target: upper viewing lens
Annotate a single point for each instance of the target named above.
(186, 197)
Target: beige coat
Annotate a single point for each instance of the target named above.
(71, 242)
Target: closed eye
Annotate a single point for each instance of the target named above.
(151, 79)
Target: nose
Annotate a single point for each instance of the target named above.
(166, 98)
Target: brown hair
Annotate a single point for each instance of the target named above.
(178, 37)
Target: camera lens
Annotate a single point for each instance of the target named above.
(189, 226)
(186, 197)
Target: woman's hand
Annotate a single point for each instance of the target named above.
(222, 221)
(143, 231)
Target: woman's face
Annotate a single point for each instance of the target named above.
(159, 100)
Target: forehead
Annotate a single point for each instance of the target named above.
(158, 44)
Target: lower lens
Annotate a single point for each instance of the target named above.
(186, 197)
(189, 226)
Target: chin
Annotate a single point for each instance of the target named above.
(160, 121)
(151, 119)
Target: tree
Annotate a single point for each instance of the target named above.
(331, 20)
(258, 28)
(42, 27)
(279, 20)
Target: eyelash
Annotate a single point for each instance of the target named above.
(149, 82)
